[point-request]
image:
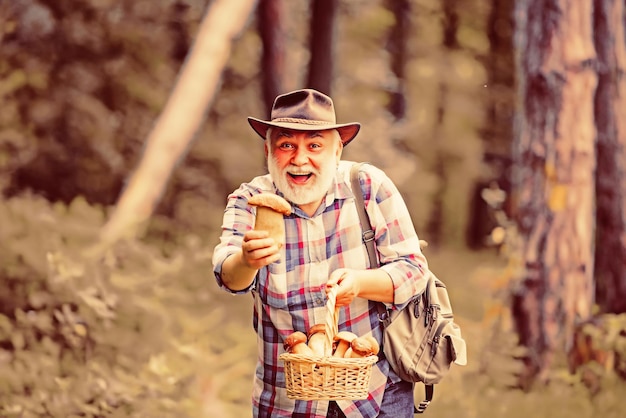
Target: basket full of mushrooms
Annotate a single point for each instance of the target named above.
(325, 364)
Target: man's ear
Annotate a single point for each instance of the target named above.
(265, 148)
(339, 151)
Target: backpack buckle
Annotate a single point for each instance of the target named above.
(368, 235)
(384, 316)
(421, 407)
(416, 306)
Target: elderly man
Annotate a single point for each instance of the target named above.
(323, 248)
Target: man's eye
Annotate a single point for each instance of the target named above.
(285, 145)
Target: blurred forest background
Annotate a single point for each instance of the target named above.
(101, 317)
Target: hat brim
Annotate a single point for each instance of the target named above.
(347, 131)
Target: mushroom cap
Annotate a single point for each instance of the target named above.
(345, 336)
(294, 338)
(272, 201)
(365, 346)
(375, 345)
(316, 328)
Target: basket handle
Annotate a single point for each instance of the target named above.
(332, 316)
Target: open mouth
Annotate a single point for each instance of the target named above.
(300, 178)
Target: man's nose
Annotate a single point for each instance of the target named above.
(300, 156)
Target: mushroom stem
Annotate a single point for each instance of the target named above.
(317, 339)
(342, 341)
(342, 346)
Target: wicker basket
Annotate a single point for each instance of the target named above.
(327, 378)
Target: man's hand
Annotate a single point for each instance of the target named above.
(347, 285)
(258, 250)
(372, 284)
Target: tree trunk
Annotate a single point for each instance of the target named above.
(498, 127)
(434, 227)
(554, 159)
(397, 47)
(610, 113)
(181, 118)
(321, 44)
(436, 220)
(270, 23)
(501, 78)
(450, 24)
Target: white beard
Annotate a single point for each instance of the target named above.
(315, 190)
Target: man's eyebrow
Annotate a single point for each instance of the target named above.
(290, 132)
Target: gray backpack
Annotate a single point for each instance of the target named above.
(422, 340)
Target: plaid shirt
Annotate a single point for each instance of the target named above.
(289, 295)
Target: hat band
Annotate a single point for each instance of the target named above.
(303, 121)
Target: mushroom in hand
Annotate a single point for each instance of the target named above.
(269, 214)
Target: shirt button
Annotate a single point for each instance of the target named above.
(319, 301)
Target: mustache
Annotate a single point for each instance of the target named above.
(299, 171)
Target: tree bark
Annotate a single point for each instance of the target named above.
(554, 158)
(272, 31)
(181, 118)
(321, 44)
(397, 47)
(610, 114)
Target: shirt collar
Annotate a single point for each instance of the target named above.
(339, 190)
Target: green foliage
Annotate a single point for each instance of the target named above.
(131, 333)
(69, 70)
(79, 107)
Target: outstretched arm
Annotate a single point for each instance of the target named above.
(257, 250)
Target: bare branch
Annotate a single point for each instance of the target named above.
(181, 118)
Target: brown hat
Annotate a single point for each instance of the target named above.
(305, 110)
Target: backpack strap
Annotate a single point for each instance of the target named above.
(429, 393)
(366, 226)
(368, 240)
(368, 232)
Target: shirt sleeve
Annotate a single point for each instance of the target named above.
(238, 219)
(397, 242)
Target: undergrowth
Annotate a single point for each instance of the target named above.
(127, 333)
(142, 330)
